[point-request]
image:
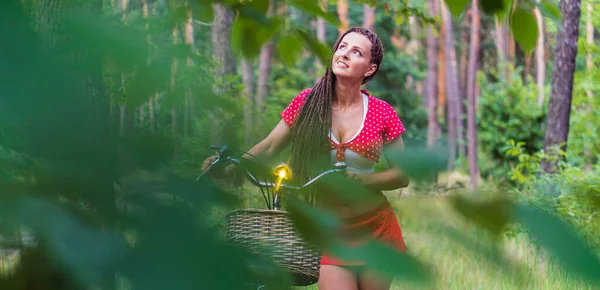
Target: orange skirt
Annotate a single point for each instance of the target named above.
(381, 223)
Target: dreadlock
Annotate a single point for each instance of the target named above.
(310, 147)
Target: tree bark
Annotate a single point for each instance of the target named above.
(589, 37)
(559, 108)
(342, 10)
(589, 63)
(471, 96)
(430, 89)
(221, 31)
(189, 40)
(248, 80)
(369, 17)
(462, 144)
(451, 86)
(264, 72)
(540, 64)
(221, 35)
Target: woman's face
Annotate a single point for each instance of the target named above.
(352, 59)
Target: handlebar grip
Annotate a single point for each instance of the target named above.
(340, 165)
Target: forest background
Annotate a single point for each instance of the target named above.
(109, 107)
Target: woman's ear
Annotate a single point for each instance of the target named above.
(372, 69)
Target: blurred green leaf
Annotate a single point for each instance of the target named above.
(203, 11)
(289, 47)
(550, 10)
(384, 259)
(248, 36)
(419, 163)
(456, 7)
(322, 52)
(313, 9)
(489, 251)
(502, 13)
(561, 241)
(492, 6)
(317, 227)
(524, 28)
(81, 249)
(493, 215)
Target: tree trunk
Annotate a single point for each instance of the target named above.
(264, 72)
(189, 40)
(321, 27)
(451, 85)
(430, 89)
(441, 97)
(589, 63)
(369, 17)
(589, 37)
(471, 96)
(123, 111)
(174, 70)
(501, 49)
(462, 144)
(248, 80)
(540, 64)
(342, 10)
(413, 47)
(221, 35)
(221, 31)
(559, 108)
(321, 36)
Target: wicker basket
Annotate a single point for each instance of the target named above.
(271, 233)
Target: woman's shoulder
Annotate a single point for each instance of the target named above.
(380, 104)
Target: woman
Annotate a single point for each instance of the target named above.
(336, 121)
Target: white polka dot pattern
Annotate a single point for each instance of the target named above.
(382, 125)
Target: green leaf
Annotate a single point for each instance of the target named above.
(501, 14)
(419, 163)
(524, 28)
(561, 241)
(289, 47)
(318, 48)
(492, 6)
(492, 215)
(456, 7)
(550, 10)
(203, 11)
(316, 226)
(386, 260)
(248, 35)
(313, 9)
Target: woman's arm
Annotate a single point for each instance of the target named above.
(275, 142)
(269, 147)
(389, 179)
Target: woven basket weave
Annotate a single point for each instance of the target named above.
(271, 233)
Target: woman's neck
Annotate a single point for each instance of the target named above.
(347, 94)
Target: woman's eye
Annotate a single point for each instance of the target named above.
(357, 52)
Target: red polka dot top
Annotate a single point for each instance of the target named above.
(381, 125)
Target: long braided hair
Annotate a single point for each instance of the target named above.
(310, 147)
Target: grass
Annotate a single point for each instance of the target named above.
(455, 264)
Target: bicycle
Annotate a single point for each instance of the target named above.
(272, 228)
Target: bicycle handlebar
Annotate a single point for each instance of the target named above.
(222, 157)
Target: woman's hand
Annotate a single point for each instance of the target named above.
(355, 176)
(207, 162)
